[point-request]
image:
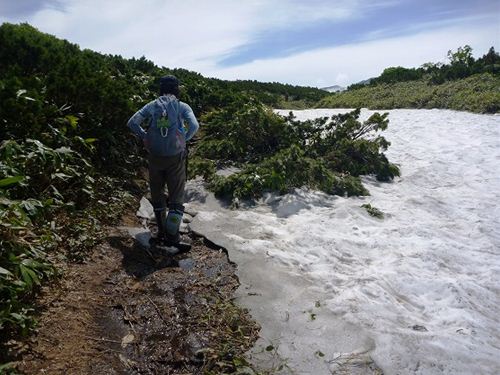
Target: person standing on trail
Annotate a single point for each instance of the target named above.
(165, 139)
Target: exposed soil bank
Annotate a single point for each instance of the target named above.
(131, 310)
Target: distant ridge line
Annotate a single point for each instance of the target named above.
(334, 88)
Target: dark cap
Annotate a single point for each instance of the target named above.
(171, 81)
(169, 85)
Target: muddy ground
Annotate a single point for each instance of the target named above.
(133, 310)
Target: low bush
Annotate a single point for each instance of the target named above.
(325, 154)
(243, 131)
(52, 205)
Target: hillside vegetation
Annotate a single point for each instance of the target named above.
(478, 93)
(69, 165)
(463, 84)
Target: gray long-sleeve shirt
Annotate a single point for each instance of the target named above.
(165, 134)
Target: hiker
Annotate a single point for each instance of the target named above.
(165, 140)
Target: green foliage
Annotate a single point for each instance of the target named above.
(373, 211)
(23, 263)
(463, 55)
(46, 195)
(63, 112)
(287, 169)
(397, 74)
(201, 167)
(279, 95)
(241, 131)
(325, 154)
(343, 143)
(43, 173)
(477, 93)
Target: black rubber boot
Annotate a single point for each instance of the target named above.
(161, 219)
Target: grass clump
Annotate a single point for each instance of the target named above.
(373, 211)
(236, 334)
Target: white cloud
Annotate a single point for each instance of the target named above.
(352, 63)
(183, 33)
(174, 33)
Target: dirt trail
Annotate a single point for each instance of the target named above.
(130, 311)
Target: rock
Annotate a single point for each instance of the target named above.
(127, 339)
(184, 228)
(190, 212)
(145, 209)
(187, 264)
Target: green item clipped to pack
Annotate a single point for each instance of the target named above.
(163, 124)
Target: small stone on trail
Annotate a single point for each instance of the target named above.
(127, 340)
(187, 264)
(190, 212)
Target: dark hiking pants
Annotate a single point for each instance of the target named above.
(169, 170)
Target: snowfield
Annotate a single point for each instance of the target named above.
(421, 287)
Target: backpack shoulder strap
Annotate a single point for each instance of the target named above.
(181, 125)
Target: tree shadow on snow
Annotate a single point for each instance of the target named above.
(290, 204)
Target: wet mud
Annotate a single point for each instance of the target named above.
(135, 310)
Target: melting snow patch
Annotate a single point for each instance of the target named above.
(422, 284)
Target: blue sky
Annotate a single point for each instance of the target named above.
(383, 20)
(315, 42)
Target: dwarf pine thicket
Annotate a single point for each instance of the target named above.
(68, 162)
(278, 154)
(465, 84)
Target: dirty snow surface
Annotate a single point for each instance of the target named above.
(423, 284)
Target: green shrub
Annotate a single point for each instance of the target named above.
(325, 154)
(60, 174)
(49, 201)
(201, 167)
(23, 260)
(241, 132)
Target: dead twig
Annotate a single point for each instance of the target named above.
(102, 339)
(126, 317)
(157, 310)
